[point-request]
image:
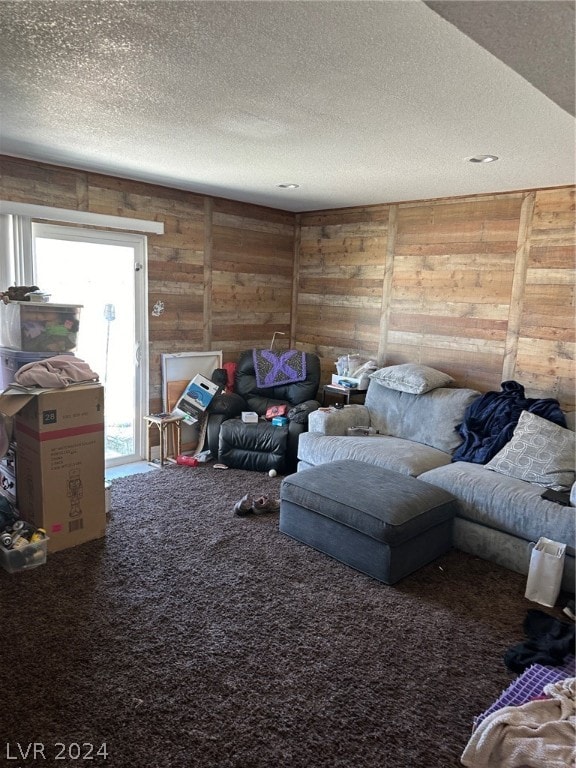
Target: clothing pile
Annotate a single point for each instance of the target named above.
(55, 373)
(490, 420)
(533, 723)
(539, 734)
(549, 642)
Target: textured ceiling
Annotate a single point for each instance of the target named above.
(358, 102)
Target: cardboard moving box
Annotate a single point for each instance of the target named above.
(195, 399)
(60, 461)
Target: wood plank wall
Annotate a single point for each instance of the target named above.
(252, 265)
(482, 287)
(341, 279)
(222, 270)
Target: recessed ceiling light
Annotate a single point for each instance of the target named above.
(288, 186)
(483, 159)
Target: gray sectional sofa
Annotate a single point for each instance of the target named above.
(499, 517)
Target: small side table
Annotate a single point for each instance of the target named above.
(343, 393)
(169, 429)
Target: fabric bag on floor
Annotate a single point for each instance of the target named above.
(545, 572)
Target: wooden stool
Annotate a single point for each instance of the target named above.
(169, 429)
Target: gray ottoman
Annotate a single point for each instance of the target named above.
(380, 522)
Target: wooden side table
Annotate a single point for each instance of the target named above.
(343, 393)
(169, 429)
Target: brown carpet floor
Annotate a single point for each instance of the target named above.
(191, 638)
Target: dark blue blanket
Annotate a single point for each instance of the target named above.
(490, 420)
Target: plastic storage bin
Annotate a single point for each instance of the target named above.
(25, 558)
(12, 359)
(38, 327)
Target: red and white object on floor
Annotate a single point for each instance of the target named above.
(188, 461)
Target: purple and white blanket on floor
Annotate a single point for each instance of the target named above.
(529, 685)
(277, 368)
(540, 733)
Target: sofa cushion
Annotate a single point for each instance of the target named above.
(337, 421)
(403, 456)
(539, 452)
(430, 418)
(504, 503)
(412, 378)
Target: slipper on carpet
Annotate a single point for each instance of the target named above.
(244, 506)
(265, 504)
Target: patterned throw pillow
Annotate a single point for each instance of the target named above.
(412, 378)
(539, 452)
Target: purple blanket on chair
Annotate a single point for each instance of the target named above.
(276, 368)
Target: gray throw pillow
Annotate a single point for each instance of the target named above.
(412, 378)
(540, 452)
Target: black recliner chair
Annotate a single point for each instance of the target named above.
(239, 449)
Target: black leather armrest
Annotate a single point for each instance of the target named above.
(300, 413)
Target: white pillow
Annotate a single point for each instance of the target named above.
(412, 378)
(540, 452)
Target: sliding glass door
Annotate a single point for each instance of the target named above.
(105, 272)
